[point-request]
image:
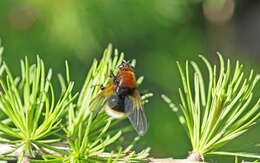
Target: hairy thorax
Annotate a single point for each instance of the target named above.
(126, 82)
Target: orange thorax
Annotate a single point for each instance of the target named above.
(126, 79)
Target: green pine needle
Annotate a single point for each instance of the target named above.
(217, 117)
(63, 129)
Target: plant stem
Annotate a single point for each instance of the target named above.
(195, 156)
(170, 160)
(8, 147)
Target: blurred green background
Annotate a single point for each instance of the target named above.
(157, 33)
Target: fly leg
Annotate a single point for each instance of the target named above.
(99, 85)
(95, 116)
(144, 92)
(112, 75)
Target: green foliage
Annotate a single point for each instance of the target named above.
(60, 130)
(23, 102)
(224, 113)
(236, 160)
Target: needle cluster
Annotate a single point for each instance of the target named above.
(221, 114)
(41, 128)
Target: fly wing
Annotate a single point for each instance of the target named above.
(135, 112)
(101, 99)
(98, 103)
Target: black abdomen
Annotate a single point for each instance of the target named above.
(122, 92)
(116, 103)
